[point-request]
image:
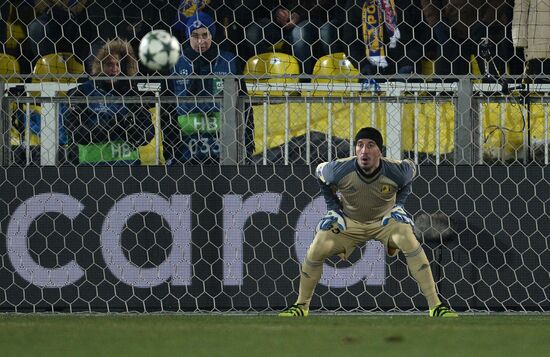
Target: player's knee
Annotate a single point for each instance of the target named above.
(317, 253)
(404, 239)
(320, 249)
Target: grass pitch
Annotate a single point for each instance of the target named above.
(268, 335)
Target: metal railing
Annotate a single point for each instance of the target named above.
(467, 97)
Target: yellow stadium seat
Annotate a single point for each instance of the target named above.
(275, 64)
(49, 67)
(334, 65)
(10, 67)
(57, 64)
(427, 67)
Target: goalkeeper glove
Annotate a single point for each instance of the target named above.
(399, 214)
(333, 220)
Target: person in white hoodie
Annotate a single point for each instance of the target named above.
(530, 31)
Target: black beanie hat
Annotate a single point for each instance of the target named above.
(370, 133)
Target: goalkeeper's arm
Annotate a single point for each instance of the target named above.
(334, 219)
(328, 191)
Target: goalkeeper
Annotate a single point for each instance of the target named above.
(373, 191)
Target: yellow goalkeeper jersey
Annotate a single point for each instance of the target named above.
(366, 198)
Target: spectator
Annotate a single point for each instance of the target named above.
(227, 15)
(56, 28)
(505, 58)
(193, 137)
(459, 26)
(109, 132)
(216, 9)
(301, 24)
(530, 32)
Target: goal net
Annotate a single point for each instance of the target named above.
(194, 190)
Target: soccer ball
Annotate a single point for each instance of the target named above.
(158, 50)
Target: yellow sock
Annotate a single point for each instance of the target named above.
(421, 272)
(310, 275)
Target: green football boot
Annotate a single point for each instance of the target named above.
(295, 310)
(442, 311)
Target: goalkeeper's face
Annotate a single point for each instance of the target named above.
(368, 155)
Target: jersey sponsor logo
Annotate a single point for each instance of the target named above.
(386, 189)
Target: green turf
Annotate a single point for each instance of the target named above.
(268, 335)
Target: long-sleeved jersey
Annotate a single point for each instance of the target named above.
(365, 198)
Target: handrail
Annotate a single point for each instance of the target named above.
(389, 93)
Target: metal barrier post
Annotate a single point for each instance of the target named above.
(229, 133)
(49, 128)
(465, 125)
(5, 125)
(393, 125)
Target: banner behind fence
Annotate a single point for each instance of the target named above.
(231, 238)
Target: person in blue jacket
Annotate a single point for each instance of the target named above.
(193, 134)
(108, 132)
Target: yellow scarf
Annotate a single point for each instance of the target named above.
(189, 7)
(376, 15)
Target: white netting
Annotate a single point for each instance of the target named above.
(192, 189)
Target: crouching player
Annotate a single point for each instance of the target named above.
(373, 191)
